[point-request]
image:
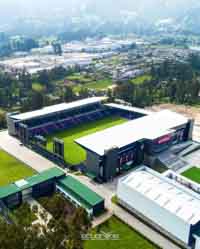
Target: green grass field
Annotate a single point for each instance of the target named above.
(140, 80)
(12, 170)
(74, 154)
(128, 238)
(193, 174)
(96, 85)
(38, 87)
(79, 77)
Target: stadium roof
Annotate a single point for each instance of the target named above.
(81, 192)
(149, 127)
(57, 108)
(165, 192)
(129, 108)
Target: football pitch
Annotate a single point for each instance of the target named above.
(74, 154)
(126, 237)
(193, 174)
(12, 170)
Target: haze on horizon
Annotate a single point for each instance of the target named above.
(50, 16)
(11, 9)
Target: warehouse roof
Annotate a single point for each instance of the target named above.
(57, 108)
(149, 127)
(129, 108)
(80, 191)
(165, 192)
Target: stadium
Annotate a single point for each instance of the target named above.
(105, 139)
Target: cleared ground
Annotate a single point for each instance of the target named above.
(128, 238)
(12, 170)
(193, 174)
(74, 154)
(188, 111)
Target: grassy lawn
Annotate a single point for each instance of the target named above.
(38, 87)
(193, 174)
(79, 77)
(12, 170)
(100, 84)
(139, 80)
(96, 85)
(74, 154)
(128, 238)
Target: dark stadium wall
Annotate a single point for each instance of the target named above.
(111, 163)
(92, 163)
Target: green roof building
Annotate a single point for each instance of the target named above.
(46, 183)
(81, 195)
(35, 186)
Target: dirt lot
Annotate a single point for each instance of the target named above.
(189, 111)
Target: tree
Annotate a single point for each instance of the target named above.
(125, 92)
(79, 224)
(110, 95)
(84, 92)
(2, 120)
(68, 94)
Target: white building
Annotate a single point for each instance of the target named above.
(170, 203)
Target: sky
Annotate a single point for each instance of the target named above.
(49, 9)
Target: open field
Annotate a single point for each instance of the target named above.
(74, 154)
(193, 174)
(140, 79)
(95, 85)
(79, 77)
(99, 84)
(12, 170)
(37, 87)
(128, 238)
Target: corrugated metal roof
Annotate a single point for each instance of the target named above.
(8, 190)
(149, 127)
(166, 193)
(129, 108)
(57, 108)
(31, 181)
(44, 176)
(80, 191)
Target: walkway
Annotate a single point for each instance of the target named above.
(12, 146)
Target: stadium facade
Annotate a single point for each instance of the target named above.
(135, 142)
(169, 203)
(109, 152)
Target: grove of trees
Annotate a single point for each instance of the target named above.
(171, 81)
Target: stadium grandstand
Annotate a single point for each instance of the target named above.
(64, 116)
(134, 142)
(111, 137)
